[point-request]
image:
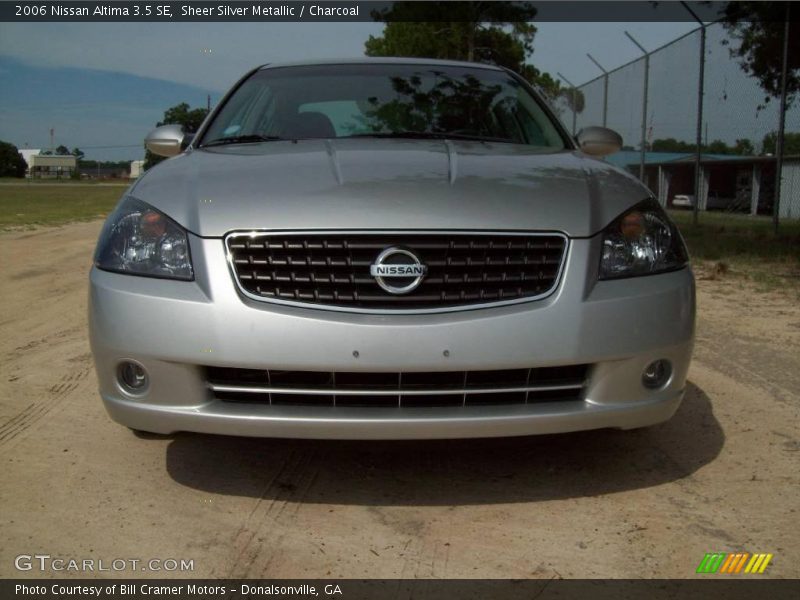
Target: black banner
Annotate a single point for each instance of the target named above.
(728, 587)
(325, 11)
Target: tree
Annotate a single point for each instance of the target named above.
(456, 30)
(550, 87)
(671, 145)
(759, 28)
(11, 162)
(88, 165)
(180, 114)
(77, 153)
(744, 147)
(62, 151)
(718, 147)
(500, 33)
(791, 143)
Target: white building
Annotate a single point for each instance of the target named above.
(52, 165)
(28, 154)
(790, 188)
(137, 168)
(48, 165)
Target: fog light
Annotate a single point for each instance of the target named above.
(656, 374)
(132, 377)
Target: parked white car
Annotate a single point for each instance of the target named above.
(683, 201)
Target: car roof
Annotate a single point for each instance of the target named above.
(382, 60)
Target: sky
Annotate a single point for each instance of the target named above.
(107, 84)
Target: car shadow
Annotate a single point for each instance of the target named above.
(451, 472)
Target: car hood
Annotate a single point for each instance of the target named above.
(370, 183)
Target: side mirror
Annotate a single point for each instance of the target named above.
(599, 141)
(166, 140)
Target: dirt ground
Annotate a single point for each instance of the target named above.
(722, 475)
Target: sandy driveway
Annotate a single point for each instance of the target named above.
(721, 476)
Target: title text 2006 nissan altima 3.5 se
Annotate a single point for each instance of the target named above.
(388, 248)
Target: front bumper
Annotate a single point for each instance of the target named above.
(174, 329)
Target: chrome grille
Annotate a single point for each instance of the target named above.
(398, 389)
(333, 269)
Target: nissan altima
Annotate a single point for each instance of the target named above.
(387, 249)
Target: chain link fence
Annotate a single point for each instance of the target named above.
(738, 129)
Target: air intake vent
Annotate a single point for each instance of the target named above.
(446, 388)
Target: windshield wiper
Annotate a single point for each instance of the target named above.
(432, 135)
(242, 139)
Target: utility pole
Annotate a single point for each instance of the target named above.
(605, 88)
(574, 91)
(698, 182)
(207, 52)
(644, 103)
(781, 124)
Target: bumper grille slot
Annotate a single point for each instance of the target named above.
(333, 269)
(396, 389)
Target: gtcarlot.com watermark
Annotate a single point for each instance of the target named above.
(46, 563)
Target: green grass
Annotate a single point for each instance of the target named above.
(744, 245)
(27, 206)
(65, 181)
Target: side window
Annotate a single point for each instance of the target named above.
(506, 117)
(345, 115)
(539, 129)
(533, 131)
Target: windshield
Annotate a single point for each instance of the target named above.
(384, 100)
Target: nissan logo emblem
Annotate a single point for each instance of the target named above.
(398, 271)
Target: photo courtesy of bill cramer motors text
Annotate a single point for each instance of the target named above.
(251, 590)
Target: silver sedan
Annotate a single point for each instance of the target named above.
(386, 249)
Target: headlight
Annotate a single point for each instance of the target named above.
(139, 240)
(641, 241)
